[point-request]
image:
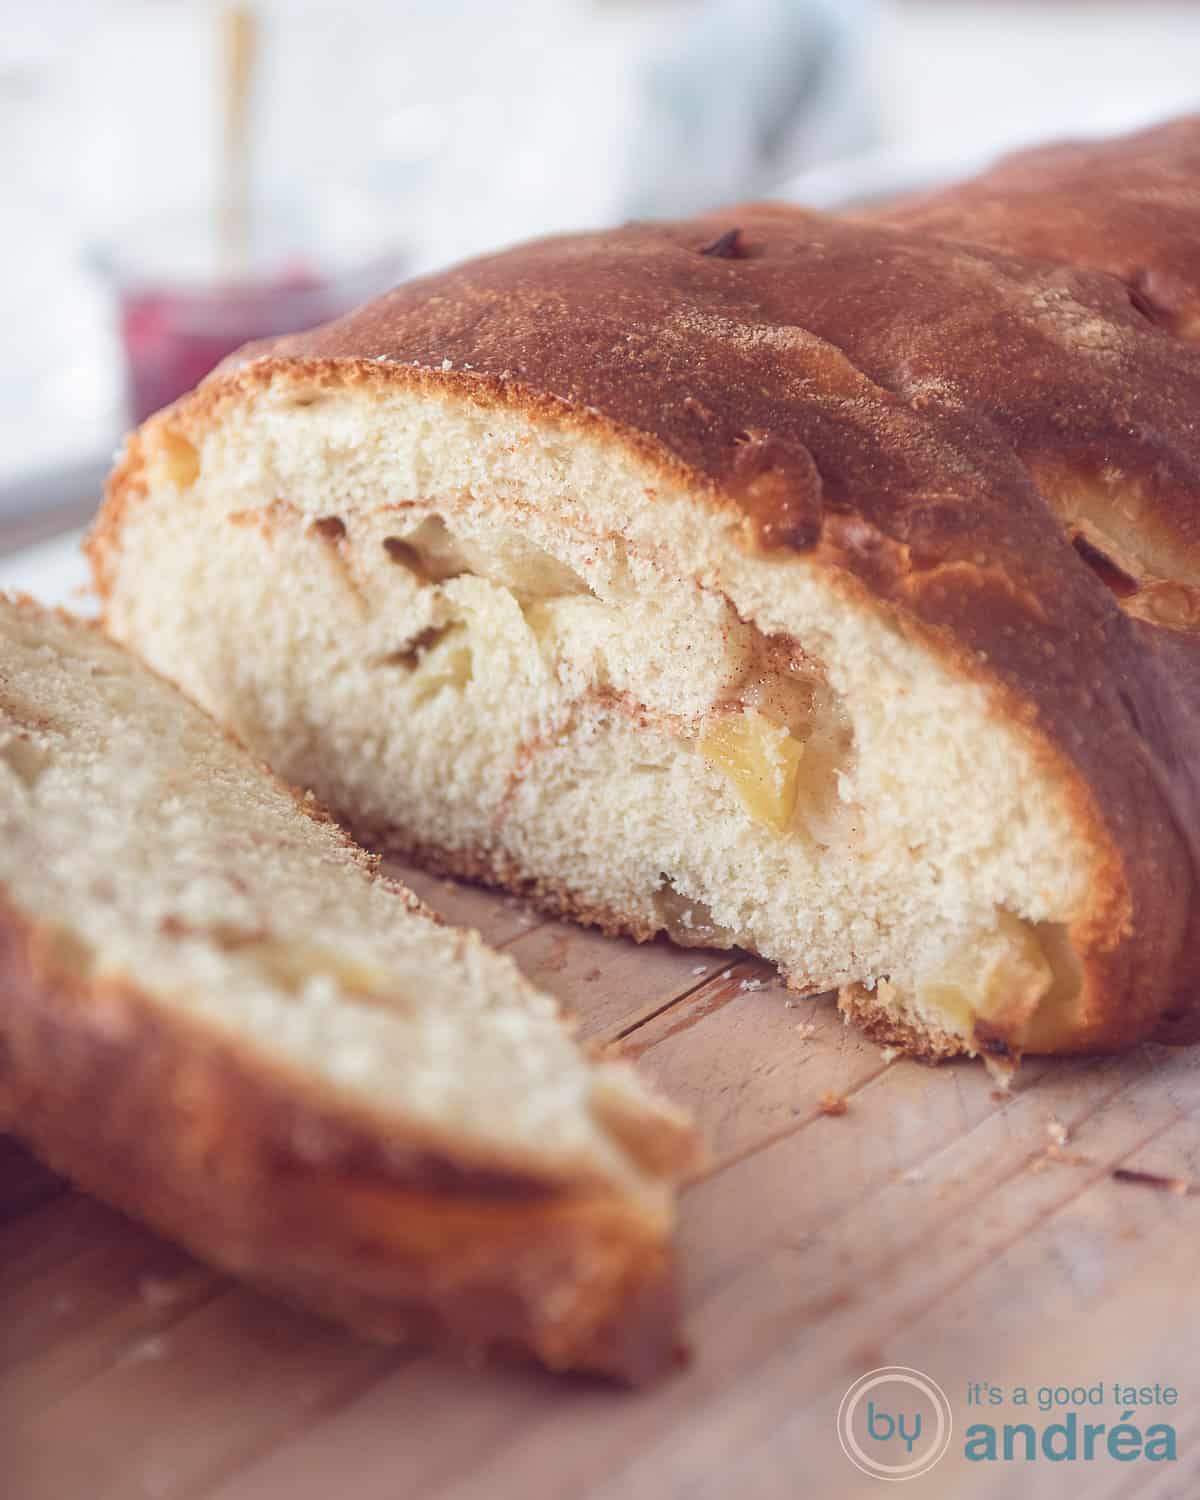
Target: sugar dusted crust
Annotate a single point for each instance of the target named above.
(1128, 207)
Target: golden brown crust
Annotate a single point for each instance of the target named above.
(863, 1007)
(1129, 207)
(173, 1127)
(971, 443)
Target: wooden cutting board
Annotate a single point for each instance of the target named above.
(934, 1223)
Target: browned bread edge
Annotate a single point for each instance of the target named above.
(173, 1127)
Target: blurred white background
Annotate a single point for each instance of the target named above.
(438, 128)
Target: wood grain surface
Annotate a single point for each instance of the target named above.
(936, 1223)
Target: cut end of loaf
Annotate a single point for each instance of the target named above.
(511, 646)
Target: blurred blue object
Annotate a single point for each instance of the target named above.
(748, 93)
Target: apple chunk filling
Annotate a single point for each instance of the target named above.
(786, 774)
(761, 759)
(754, 707)
(1015, 982)
(689, 921)
(998, 976)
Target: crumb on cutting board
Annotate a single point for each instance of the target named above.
(1057, 1131)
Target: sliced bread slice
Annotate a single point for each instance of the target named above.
(218, 1015)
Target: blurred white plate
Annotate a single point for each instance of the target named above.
(885, 173)
(53, 571)
(923, 164)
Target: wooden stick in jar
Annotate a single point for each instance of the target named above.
(238, 44)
